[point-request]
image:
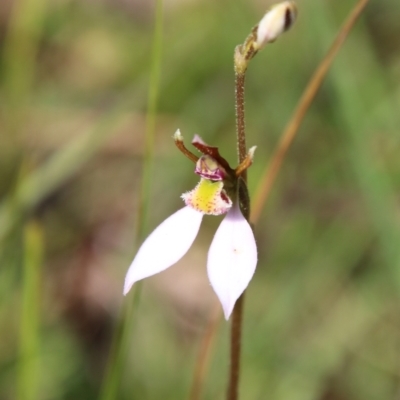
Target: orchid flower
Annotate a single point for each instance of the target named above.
(232, 256)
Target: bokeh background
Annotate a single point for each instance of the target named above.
(322, 314)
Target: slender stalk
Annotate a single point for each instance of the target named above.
(236, 336)
(151, 121)
(240, 121)
(272, 169)
(236, 327)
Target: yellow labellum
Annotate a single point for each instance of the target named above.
(208, 197)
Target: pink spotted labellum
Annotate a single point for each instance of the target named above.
(232, 257)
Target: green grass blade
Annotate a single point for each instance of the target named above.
(28, 366)
(124, 327)
(150, 122)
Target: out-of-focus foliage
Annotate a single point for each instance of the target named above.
(322, 312)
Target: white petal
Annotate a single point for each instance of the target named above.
(166, 245)
(232, 259)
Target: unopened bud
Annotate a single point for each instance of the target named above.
(276, 21)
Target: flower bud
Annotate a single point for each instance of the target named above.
(276, 21)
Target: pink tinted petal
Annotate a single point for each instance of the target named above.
(232, 259)
(166, 245)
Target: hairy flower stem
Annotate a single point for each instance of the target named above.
(240, 122)
(236, 327)
(236, 334)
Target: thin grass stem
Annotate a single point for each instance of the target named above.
(204, 354)
(271, 170)
(119, 347)
(120, 344)
(28, 363)
(144, 199)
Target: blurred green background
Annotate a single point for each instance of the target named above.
(322, 314)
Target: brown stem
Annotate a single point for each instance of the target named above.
(236, 327)
(272, 169)
(240, 122)
(236, 335)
